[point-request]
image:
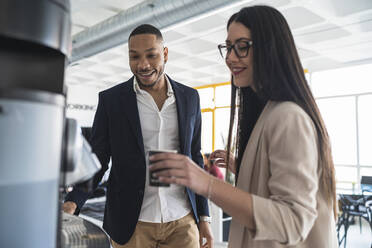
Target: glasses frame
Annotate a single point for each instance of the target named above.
(232, 47)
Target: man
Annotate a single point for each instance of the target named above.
(149, 111)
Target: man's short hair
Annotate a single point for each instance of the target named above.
(146, 29)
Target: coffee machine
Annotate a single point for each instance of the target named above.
(39, 148)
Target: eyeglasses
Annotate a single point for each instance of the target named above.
(241, 48)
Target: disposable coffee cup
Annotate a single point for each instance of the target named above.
(154, 181)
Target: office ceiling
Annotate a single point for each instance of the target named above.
(328, 34)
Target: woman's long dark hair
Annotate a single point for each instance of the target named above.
(278, 76)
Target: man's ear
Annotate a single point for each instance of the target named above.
(165, 54)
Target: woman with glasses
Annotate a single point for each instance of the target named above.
(285, 192)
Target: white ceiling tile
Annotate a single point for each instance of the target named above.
(107, 56)
(171, 69)
(114, 79)
(82, 80)
(351, 53)
(106, 69)
(298, 17)
(83, 74)
(98, 75)
(214, 56)
(122, 62)
(217, 70)
(119, 4)
(76, 29)
(192, 62)
(171, 35)
(91, 16)
(321, 63)
(192, 75)
(83, 63)
(202, 25)
(304, 53)
(321, 36)
(174, 54)
(179, 79)
(217, 37)
(273, 3)
(77, 5)
(313, 29)
(194, 46)
(221, 79)
(330, 33)
(341, 8)
(362, 26)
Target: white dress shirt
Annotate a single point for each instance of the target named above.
(160, 131)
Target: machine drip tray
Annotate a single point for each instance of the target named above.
(79, 233)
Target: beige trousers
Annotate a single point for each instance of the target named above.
(175, 234)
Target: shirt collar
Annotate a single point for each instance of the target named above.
(138, 90)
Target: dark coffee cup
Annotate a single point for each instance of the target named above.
(154, 181)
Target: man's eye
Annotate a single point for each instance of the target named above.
(151, 55)
(133, 57)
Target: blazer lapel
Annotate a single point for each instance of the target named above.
(182, 113)
(129, 104)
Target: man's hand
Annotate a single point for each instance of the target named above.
(205, 232)
(69, 207)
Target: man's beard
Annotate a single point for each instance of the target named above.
(142, 85)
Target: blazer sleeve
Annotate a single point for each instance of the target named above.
(288, 215)
(101, 147)
(201, 201)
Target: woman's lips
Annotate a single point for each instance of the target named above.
(237, 71)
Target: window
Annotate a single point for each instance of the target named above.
(222, 127)
(223, 96)
(339, 118)
(365, 129)
(207, 132)
(206, 98)
(343, 81)
(215, 106)
(344, 97)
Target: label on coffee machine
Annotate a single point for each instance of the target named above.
(154, 181)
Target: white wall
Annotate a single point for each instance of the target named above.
(82, 102)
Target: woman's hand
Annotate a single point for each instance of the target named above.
(180, 169)
(220, 160)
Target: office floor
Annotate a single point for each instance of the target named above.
(93, 211)
(355, 239)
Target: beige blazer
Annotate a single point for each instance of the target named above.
(280, 168)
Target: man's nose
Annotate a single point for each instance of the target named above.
(143, 64)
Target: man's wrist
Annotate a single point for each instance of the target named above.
(205, 218)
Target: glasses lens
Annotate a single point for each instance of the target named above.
(242, 48)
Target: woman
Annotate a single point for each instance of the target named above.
(285, 194)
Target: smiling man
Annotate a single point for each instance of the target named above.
(149, 111)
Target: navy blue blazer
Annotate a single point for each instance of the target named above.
(116, 133)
